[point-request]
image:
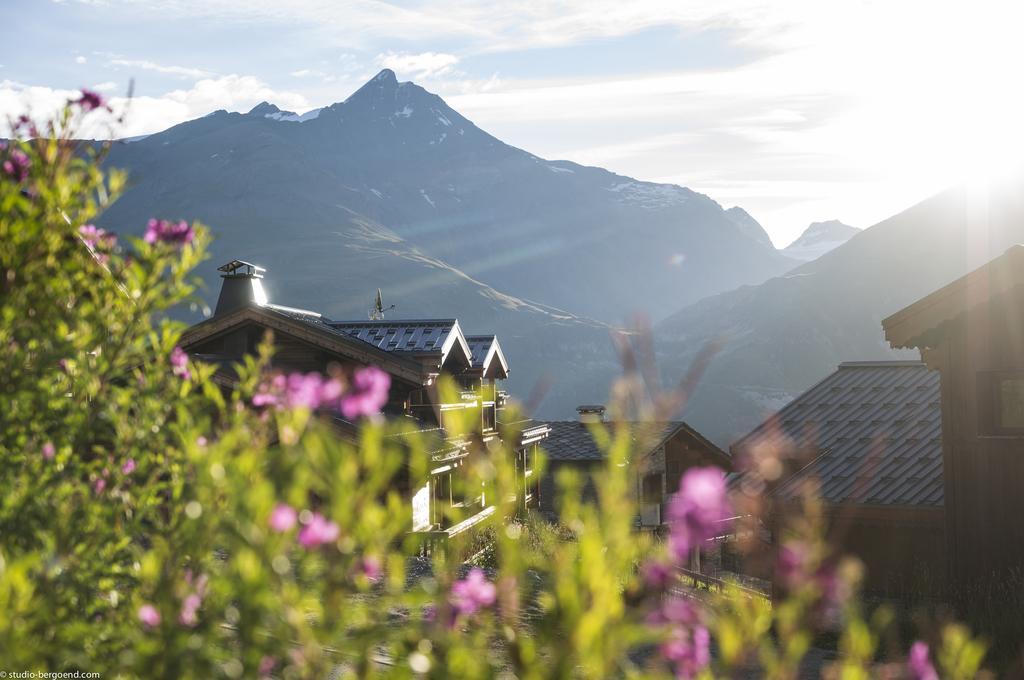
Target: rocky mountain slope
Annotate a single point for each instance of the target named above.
(392, 188)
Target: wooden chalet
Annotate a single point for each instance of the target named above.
(868, 437)
(414, 352)
(664, 451)
(972, 333)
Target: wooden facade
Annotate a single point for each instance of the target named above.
(868, 439)
(972, 333)
(663, 452)
(416, 354)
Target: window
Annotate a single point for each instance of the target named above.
(1001, 403)
(652, 488)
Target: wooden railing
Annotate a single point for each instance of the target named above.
(698, 580)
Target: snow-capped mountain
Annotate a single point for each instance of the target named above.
(268, 110)
(392, 188)
(818, 239)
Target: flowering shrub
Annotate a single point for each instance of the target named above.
(157, 525)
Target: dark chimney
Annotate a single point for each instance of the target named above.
(242, 287)
(591, 413)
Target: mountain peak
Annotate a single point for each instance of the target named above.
(748, 225)
(263, 109)
(385, 77)
(819, 238)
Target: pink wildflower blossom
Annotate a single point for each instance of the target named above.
(371, 568)
(97, 238)
(16, 166)
(920, 665)
(367, 394)
(472, 593)
(656, 574)
(189, 608)
(89, 100)
(128, 467)
(689, 651)
(298, 390)
(99, 486)
(319, 531)
(267, 665)
(698, 511)
(283, 517)
(179, 363)
(165, 231)
(149, 616)
(49, 451)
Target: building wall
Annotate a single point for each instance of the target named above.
(984, 471)
(548, 503)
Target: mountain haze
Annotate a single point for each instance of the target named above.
(392, 188)
(783, 335)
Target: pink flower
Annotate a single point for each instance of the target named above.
(371, 568)
(97, 238)
(698, 511)
(16, 166)
(318, 532)
(792, 563)
(128, 467)
(921, 667)
(688, 650)
(367, 394)
(656, 574)
(99, 485)
(89, 100)
(283, 517)
(298, 390)
(472, 593)
(149, 616)
(165, 231)
(267, 665)
(49, 451)
(179, 363)
(189, 608)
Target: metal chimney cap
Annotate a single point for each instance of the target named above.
(241, 268)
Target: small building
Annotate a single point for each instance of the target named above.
(414, 352)
(869, 437)
(664, 450)
(972, 333)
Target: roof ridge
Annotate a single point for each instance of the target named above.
(881, 363)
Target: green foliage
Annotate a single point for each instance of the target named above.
(136, 487)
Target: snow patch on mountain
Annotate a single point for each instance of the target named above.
(820, 238)
(649, 195)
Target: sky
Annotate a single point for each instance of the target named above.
(797, 111)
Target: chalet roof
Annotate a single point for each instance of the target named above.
(487, 356)
(308, 326)
(439, 337)
(918, 325)
(876, 429)
(570, 440)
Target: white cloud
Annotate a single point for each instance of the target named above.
(146, 65)
(80, 59)
(108, 86)
(418, 66)
(148, 114)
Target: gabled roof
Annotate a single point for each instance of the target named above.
(570, 440)
(311, 328)
(487, 356)
(875, 429)
(442, 338)
(917, 325)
